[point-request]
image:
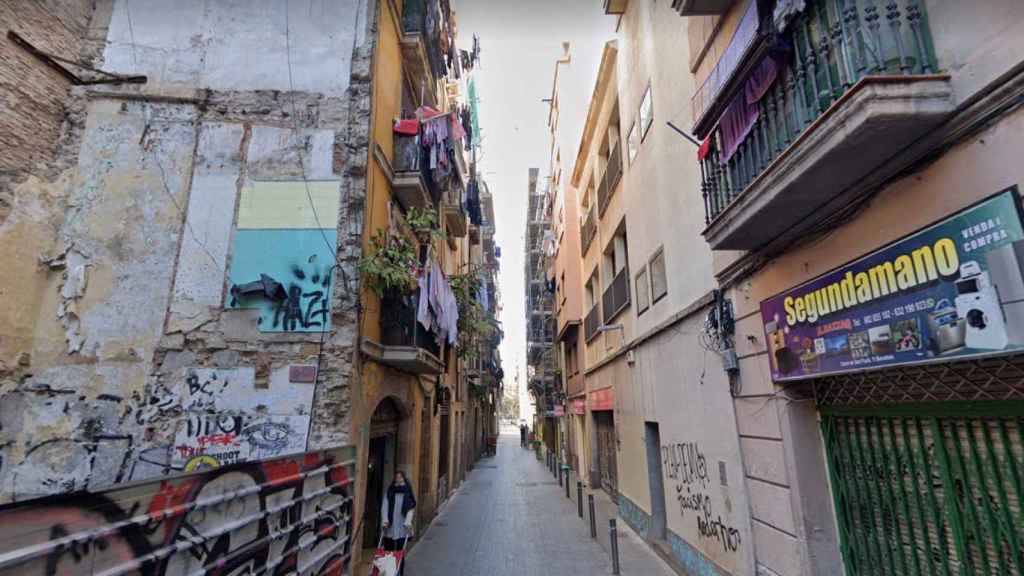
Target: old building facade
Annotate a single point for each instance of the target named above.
(813, 363)
(189, 198)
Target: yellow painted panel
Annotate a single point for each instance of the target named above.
(287, 205)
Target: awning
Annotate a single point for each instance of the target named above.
(603, 399)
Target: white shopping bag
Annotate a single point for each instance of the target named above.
(386, 565)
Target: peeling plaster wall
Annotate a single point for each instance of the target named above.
(235, 44)
(35, 111)
(135, 366)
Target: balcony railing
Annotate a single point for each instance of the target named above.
(404, 343)
(589, 229)
(612, 173)
(454, 210)
(831, 49)
(616, 296)
(420, 24)
(591, 323)
(413, 181)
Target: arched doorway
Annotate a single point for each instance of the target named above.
(381, 463)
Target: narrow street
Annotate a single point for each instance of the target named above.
(511, 518)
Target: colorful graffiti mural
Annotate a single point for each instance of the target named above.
(285, 516)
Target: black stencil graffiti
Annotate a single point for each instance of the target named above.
(306, 304)
(687, 465)
(268, 435)
(209, 387)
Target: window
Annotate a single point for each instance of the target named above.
(615, 276)
(561, 289)
(659, 283)
(631, 143)
(571, 361)
(642, 294)
(646, 113)
(592, 321)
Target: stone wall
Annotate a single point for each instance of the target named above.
(139, 352)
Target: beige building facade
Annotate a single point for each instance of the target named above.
(774, 155)
(830, 144)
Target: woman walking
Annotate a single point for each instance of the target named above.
(397, 512)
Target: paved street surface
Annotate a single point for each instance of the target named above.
(510, 518)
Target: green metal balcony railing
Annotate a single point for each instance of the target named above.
(833, 45)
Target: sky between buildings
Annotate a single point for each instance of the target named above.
(520, 42)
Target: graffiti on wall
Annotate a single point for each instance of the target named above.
(285, 516)
(284, 252)
(203, 418)
(686, 466)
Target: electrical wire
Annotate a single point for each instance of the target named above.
(131, 30)
(295, 117)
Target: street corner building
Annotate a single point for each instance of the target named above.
(196, 368)
(781, 283)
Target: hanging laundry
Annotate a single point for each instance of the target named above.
(423, 305)
(705, 147)
(458, 132)
(467, 124)
(473, 203)
(743, 111)
(409, 126)
(452, 314)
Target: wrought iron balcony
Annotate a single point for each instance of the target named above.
(589, 229)
(591, 323)
(421, 41)
(412, 182)
(612, 173)
(700, 7)
(820, 114)
(454, 211)
(405, 344)
(616, 296)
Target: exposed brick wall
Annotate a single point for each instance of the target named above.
(32, 95)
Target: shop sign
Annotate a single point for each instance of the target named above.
(579, 406)
(949, 291)
(559, 411)
(603, 399)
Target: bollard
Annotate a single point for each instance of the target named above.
(613, 534)
(579, 497)
(567, 484)
(593, 520)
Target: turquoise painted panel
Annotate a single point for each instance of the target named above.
(635, 516)
(688, 557)
(300, 261)
(691, 559)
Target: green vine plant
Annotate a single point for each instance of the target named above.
(423, 222)
(474, 324)
(390, 264)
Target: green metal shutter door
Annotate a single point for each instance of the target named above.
(930, 489)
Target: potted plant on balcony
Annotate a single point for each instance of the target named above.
(390, 265)
(389, 268)
(423, 222)
(473, 321)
